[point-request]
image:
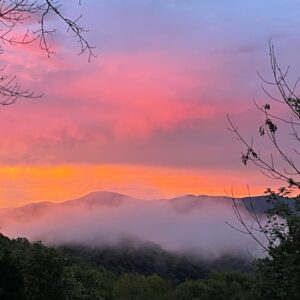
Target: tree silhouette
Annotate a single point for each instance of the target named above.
(23, 22)
(286, 169)
(278, 274)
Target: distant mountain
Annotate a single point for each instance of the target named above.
(100, 199)
(26, 212)
(190, 222)
(95, 199)
(190, 203)
(186, 204)
(183, 204)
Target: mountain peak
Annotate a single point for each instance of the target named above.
(189, 203)
(100, 198)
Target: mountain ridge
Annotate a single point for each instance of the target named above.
(88, 196)
(189, 222)
(186, 204)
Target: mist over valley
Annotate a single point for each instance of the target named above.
(189, 224)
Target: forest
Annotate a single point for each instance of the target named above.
(34, 271)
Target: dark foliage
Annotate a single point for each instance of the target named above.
(34, 272)
(149, 259)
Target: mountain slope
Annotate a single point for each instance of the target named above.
(187, 223)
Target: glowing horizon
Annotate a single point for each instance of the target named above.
(61, 183)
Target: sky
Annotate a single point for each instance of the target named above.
(147, 116)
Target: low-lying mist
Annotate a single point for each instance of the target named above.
(194, 224)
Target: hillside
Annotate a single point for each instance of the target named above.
(105, 218)
(33, 272)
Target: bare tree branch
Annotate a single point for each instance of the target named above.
(32, 15)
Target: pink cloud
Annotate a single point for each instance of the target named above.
(115, 99)
(135, 95)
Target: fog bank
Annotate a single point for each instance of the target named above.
(188, 223)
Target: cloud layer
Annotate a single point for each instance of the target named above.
(157, 94)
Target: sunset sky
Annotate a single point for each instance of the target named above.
(147, 116)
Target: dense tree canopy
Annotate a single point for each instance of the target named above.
(34, 272)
